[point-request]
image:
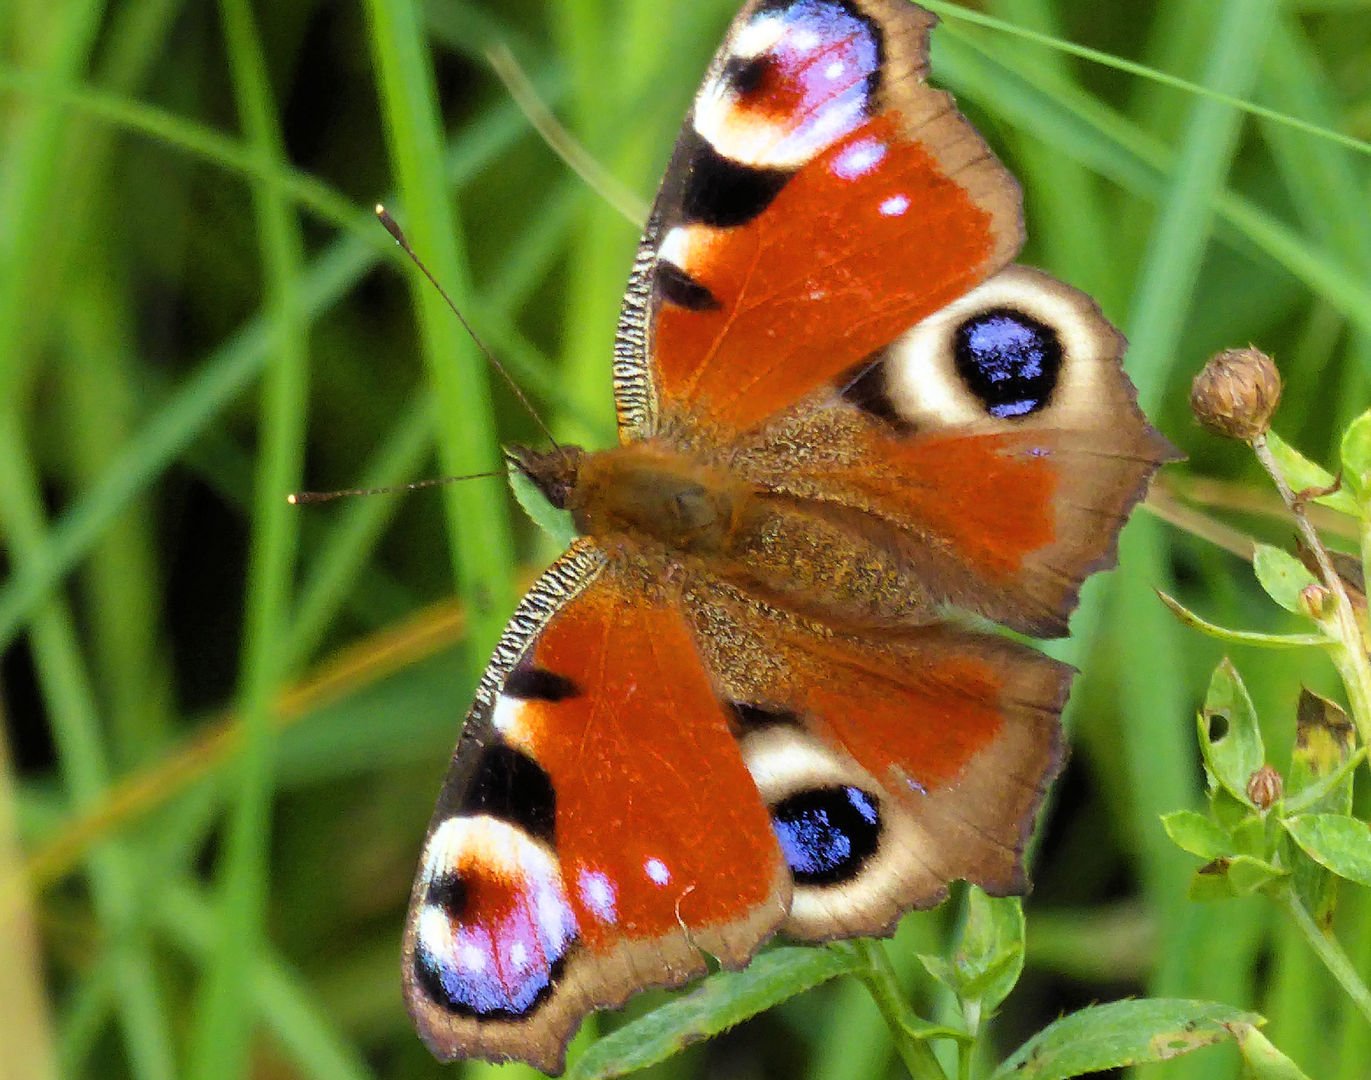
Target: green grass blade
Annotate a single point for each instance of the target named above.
(221, 1040)
(477, 512)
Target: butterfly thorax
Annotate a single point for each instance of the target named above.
(805, 555)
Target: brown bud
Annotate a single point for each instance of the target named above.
(1313, 600)
(1236, 394)
(1264, 787)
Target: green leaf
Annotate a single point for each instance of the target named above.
(1324, 743)
(1230, 739)
(1209, 884)
(1248, 874)
(1301, 473)
(1282, 575)
(1241, 637)
(1338, 841)
(556, 523)
(1121, 1035)
(990, 953)
(1261, 1060)
(1320, 782)
(719, 1003)
(1197, 834)
(1356, 452)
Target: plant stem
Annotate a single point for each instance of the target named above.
(1351, 659)
(1328, 950)
(880, 981)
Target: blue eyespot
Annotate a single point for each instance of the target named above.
(1009, 361)
(827, 834)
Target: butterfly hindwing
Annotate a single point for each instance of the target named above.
(892, 764)
(822, 199)
(566, 867)
(999, 439)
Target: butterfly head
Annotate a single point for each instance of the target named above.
(555, 472)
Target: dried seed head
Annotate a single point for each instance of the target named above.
(1264, 787)
(1236, 394)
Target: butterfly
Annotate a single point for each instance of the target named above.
(747, 699)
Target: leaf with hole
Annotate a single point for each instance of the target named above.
(1230, 740)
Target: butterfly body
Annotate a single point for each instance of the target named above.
(744, 700)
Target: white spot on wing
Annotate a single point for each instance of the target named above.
(858, 159)
(657, 871)
(895, 206)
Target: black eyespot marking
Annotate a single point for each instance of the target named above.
(510, 786)
(725, 193)
(865, 387)
(529, 683)
(1009, 361)
(827, 834)
(746, 75)
(449, 892)
(679, 288)
(756, 717)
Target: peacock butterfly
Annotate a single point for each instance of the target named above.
(737, 705)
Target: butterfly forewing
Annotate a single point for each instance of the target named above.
(821, 200)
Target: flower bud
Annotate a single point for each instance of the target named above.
(1236, 394)
(1264, 787)
(1314, 600)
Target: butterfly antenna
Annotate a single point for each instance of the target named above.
(308, 498)
(392, 227)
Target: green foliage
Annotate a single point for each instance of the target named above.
(225, 720)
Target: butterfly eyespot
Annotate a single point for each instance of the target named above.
(1009, 361)
(827, 834)
(494, 924)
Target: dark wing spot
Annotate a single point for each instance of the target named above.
(865, 387)
(529, 683)
(746, 75)
(679, 288)
(510, 786)
(1009, 361)
(755, 717)
(827, 834)
(725, 193)
(449, 892)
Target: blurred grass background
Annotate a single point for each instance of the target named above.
(225, 720)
